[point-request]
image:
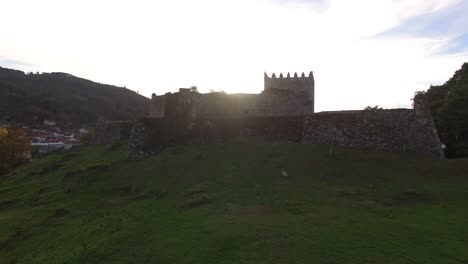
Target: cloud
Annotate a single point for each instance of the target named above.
(316, 5)
(160, 46)
(446, 27)
(456, 45)
(14, 63)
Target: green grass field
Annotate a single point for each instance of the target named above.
(231, 204)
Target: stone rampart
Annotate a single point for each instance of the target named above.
(399, 130)
(391, 130)
(151, 135)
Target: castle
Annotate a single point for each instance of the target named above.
(282, 96)
(283, 111)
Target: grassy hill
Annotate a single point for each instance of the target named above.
(65, 98)
(231, 204)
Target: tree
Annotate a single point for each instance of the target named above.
(449, 108)
(372, 108)
(15, 148)
(194, 88)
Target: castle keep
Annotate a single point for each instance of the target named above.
(283, 111)
(282, 96)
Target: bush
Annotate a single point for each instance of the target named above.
(15, 149)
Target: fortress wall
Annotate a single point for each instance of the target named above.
(110, 132)
(275, 102)
(152, 135)
(185, 96)
(157, 106)
(399, 130)
(273, 128)
(171, 105)
(216, 105)
(390, 130)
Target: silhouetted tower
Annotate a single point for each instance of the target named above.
(299, 85)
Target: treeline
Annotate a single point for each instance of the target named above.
(69, 100)
(449, 107)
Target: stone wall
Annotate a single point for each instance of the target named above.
(218, 105)
(276, 102)
(157, 105)
(273, 102)
(151, 135)
(110, 132)
(400, 130)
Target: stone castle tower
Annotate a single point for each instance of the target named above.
(299, 85)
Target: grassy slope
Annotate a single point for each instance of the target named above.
(353, 207)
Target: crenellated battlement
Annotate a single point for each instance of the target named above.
(273, 76)
(289, 83)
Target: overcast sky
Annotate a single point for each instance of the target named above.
(362, 52)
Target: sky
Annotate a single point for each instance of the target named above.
(362, 52)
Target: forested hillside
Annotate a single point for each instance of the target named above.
(449, 106)
(65, 98)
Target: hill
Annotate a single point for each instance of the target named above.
(30, 98)
(449, 106)
(231, 203)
